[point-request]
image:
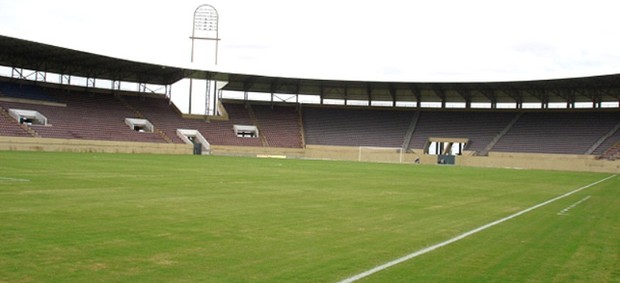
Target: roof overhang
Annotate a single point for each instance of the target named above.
(19, 53)
(31, 55)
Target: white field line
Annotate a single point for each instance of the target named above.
(463, 236)
(13, 179)
(565, 211)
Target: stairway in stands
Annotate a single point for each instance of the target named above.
(28, 130)
(254, 119)
(141, 116)
(499, 136)
(613, 153)
(407, 140)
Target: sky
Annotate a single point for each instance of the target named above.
(440, 40)
(389, 40)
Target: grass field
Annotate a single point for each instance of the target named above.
(148, 218)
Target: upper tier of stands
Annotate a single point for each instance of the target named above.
(102, 117)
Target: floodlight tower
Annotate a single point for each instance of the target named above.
(205, 27)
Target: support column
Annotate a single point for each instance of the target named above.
(207, 93)
(369, 93)
(393, 95)
(418, 96)
(191, 90)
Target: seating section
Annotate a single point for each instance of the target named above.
(9, 126)
(387, 128)
(612, 153)
(159, 113)
(222, 133)
(355, 127)
(479, 127)
(93, 117)
(557, 132)
(32, 92)
(280, 125)
(610, 148)
(167, 119)
(102, 117)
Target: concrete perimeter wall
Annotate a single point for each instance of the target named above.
(257, 151)
(70, 145)
(563, 162)
(587, 163)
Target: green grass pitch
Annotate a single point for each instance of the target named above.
(67, 217)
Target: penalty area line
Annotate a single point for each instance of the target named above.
(464, 235)
(565, 211)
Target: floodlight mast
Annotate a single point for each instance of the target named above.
(205, 27)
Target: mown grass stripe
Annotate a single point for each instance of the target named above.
(8, 179)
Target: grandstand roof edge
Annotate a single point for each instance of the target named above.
(32, 55)
(21, 53)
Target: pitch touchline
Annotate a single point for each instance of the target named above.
(462, 236)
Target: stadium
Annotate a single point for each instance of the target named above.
(578, 139)
(301, 180)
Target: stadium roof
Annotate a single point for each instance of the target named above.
(31, 55)
(19, 53)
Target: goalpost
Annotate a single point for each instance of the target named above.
(380, 154)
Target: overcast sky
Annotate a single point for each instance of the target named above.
(439, 40)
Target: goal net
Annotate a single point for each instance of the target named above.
(380, 154)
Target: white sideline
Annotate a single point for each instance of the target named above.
(462, 236)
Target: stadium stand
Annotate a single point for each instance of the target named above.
(517, 137)
(613, 153)
(168, 119)
(158, 112)
(355, 127)
(221, 132)
(9, 126)
(557, 132)
(101, 117)
(84, 115)
(480, 127)
(610, 148)
(24, 91)
(280, 125)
